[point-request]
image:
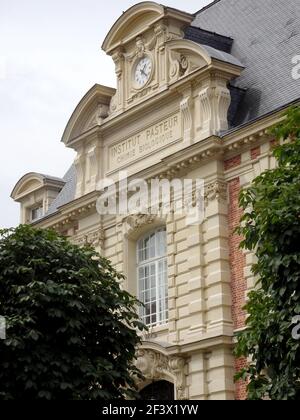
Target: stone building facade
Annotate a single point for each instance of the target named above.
(195, 97)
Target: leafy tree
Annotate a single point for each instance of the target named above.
(72, 331)
(271, 228)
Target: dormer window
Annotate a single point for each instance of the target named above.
(36, 192)
(36, 213)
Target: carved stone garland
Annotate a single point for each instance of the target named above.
(216, 190)
(94, 238)
(157, 366)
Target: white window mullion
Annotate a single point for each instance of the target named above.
(157, 293)
(152, 278)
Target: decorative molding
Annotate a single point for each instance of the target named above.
(94, 238)
(141, 94)
(71, 217)
(113, 105)
(137, 221)
(245, 141)
(187, 118)
(216, 190)
(98, 117)
(223, 99)
(141, 48)
(157, 366)
(214, 105)
(183, 65)
(118, 58)
(132, 224)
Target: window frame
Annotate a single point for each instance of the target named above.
(161, 290)
(37, 207)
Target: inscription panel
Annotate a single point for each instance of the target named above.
(145, 142)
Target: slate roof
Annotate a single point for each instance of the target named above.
(263, 35)
(266, 36)
(212, 39)
(67, 194)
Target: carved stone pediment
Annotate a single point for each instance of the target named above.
(157, 366)
(90, 112)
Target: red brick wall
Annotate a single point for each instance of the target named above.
(237, 264)
(233, 162)
(255, 153)
(240, 387)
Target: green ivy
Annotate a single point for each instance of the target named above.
(71, 330)
(271, 228)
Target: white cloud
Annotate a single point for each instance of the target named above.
(50, 57)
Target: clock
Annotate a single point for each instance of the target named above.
(142, 72)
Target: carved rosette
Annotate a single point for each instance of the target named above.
(216, 190)
(156, 366)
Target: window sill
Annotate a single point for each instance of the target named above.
(154, 332)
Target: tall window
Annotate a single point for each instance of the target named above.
(153, 277)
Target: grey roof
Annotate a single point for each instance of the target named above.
(67, 194)
(266, 36)
(199, 35)
(222, 56)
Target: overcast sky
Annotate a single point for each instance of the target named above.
(50, 56)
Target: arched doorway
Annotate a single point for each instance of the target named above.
(159, 391)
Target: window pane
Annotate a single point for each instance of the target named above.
(153, 278)
(37, 213)
(152, 251)
(161, 239)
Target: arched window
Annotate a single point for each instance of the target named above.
(153, 277)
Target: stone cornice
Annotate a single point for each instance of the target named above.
(251, 134)
(205, 344)
(185, 160)
(70, 212)
(175, 165)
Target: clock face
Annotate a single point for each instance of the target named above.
(143, 71)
